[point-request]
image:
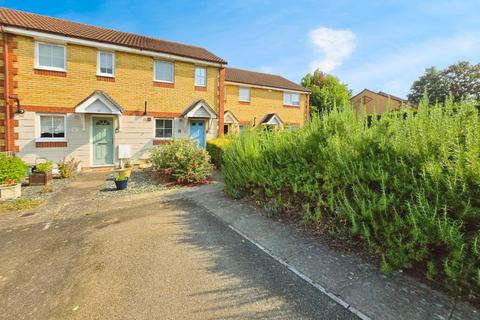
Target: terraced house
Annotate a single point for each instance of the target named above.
(75, 90)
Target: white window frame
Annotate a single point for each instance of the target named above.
(38, 127)
(204, 68)
(155, 71)
(37, 56)
(99, 73)
(249, 94)
(155, 129)
(285, 93)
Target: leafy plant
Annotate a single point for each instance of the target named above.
(44, 167)
(68, 167)
(121, 176)
(182, 160)
(215, 149)
(406, 185)
(12, 169)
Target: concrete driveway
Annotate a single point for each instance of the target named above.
(161, 260)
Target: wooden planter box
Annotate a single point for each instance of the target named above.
(11, 191)
(40, 179)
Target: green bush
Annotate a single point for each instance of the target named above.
(44, 167)
(12, 169)
(215, 149)
(406, 185)
(182, 160)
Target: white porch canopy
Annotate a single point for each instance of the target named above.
(199, 109)
(272, 119)
(229, 118)
(99, 102)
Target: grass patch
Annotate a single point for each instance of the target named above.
(19, 204)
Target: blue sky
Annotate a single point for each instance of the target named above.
(380, 45)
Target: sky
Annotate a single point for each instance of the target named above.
(379, 45)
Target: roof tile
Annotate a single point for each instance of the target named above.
(31, 21)
(261, 79)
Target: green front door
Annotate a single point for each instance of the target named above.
(102, 139)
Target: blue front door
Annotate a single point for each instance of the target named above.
(197, 132)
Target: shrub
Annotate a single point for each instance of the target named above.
(44, 167)
(406, 185)
(68, 168)
(183, 160)
(215, 149)
(12, 169)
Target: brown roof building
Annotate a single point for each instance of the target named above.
(377, 102)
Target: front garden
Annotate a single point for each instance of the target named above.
(405, 186)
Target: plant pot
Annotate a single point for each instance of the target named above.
(40, 178)
(121, 185)
(10, 191)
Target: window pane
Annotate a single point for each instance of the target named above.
(46, 127)
(200, 76)
(52, 127)
(51, 56)
(163, 71)
(295, 99)
(244, 94)
(106, 63)
(163, 128)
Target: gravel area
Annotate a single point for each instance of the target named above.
(43, 192)
(140, 181)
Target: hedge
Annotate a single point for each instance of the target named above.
(406, 185)
(215, 148)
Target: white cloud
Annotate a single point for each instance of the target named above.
(394, 72)
(334, 46)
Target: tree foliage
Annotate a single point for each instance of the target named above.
(327, 92)
(461, 81)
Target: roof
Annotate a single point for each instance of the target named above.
(195, 104)
(36, 22)
(261, 79)
(381, 93)
(103, 94)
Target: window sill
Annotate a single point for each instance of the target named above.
(200, 88)
(50, 144)
(105, 78)
(291, 106)
(244, 102)
(46, 72)
(164, 84)
(159, 141)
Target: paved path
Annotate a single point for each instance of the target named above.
(145, 257)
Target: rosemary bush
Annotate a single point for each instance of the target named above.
(407, 184)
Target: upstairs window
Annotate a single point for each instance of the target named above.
(163, 71)
(291, 99)
(163, 128)
(201, 76)
(50, 57)
(106, 64)
(52, 127)
(244, 94)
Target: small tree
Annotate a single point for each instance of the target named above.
(327, 92)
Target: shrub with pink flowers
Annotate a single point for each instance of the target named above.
(183, 161)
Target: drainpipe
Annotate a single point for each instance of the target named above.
(6, 93)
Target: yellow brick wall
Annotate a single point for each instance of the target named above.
(133, 81)
(262, 102)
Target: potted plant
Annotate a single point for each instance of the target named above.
(121, 181)
(12, 171)
(41, 174)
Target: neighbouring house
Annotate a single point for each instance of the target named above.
(254, 99)
(377, 102)
(95, 94)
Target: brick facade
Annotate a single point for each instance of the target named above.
(132, 86)
(262, 102)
